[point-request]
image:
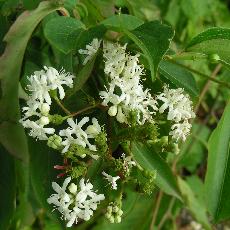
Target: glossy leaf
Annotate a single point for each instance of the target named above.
(122, 21)
(217, 183)
(212, 41)
(154, 39)
(12, 135)
(63, 33)
(179, 76)
(151, 161)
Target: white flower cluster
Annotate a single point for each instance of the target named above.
(38, 105)
(180, 110)
(128, 163)
(125, 92)
(76, 202)
(90, 50)
(75, 134)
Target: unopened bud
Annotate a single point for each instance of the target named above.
(73, 188)
(112, 111)
(44, 120)
(91, 129)
(45, 108)
(214, 58)
(118, 219)
(120, 116)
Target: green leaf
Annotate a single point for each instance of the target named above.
(63, 33)
(43, 159)
(12, 135)
(179, 77)
(150, 160)
(81, 77)
(154, 39)
(196, 208)
(122, 21)
(212, 41)
(7, 188)
(217, 183)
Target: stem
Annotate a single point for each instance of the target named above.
(206, 87)
(62, 106)
(167, 213)
(156, 209)
(224, 84)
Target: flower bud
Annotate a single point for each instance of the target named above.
(73, 188)
(120, 116)
(91, 129)
(109, 209)
(45, 108)
(112, 111)
(115, 209)
(214, 58)
(117, 219)
(44, 120)
(120, 212)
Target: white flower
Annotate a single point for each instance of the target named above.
(78, 203)
(180, 130)
(61, 198)
(48, 79)
(112, 180)
(178, 104)
(91, 50)
(125, 92)
(37, 130)
(75, 134)
(58, 79)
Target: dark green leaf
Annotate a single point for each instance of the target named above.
(12, 135)
(217, 183)
(154, 39)
(43, 159)
(179, 77)
(122, 21)
(7, 188)
(212, 41)
(150, 160)
(63, 32)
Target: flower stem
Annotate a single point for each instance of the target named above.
(224, 84)
(62, 106)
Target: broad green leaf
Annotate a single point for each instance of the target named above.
(179, 77)
(43, 159)
(212, 41)
(196, 208)
(154, 39)
(7, 188)
(150, 160)
(63, 32)
(217, 183)
(122, 21)
(12, 134)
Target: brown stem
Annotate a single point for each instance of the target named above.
(62, 106)
(207, 85)
(156, 209)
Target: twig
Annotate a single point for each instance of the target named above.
(156, 209)
(207, 85)
(224, 84)
(62, 106)
(167, 213)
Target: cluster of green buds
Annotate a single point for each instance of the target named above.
(55, 142)
(114, 212)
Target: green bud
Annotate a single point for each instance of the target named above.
(55, 142)
(214, 58)
(56, 119)
(111, 219)
(117, 219)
